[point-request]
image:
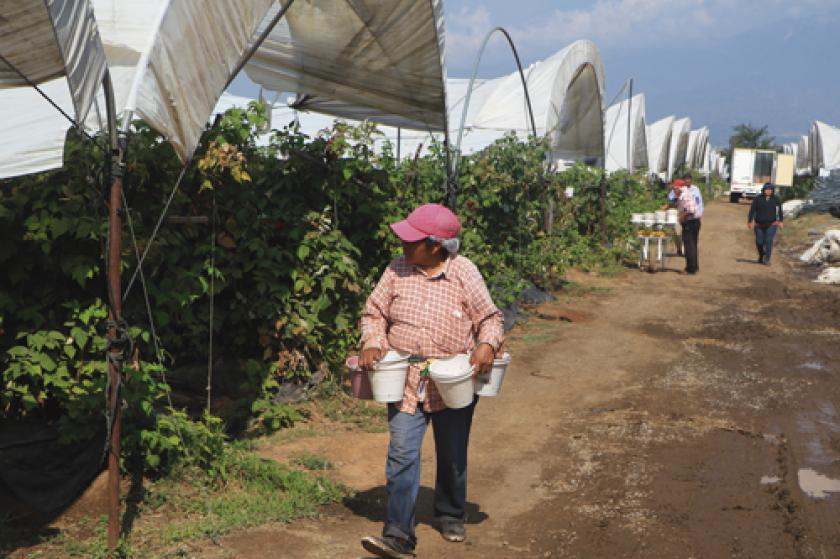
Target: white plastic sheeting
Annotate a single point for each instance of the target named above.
(169, 61)
(714, 161)
(616, 120)
(379, 59)
(830, 276)
(679, 145)
(691, 150)
(698, 143)
(803, 155)
(659, 145)
(33, 131)
(49, 39)
(55, 45)
(792, 208)
(566, 92)
(703, 147)
(722, 167)
(800, 166)
(826, 249)
(791, 148)
(718, 164)
(476, 138)
(824, 143)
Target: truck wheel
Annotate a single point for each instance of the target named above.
(734, 197)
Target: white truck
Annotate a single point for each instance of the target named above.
(752, 168)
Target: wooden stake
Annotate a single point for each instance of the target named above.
(114, 378)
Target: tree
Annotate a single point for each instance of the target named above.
(749, 136)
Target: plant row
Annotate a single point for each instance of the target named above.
(268, 249)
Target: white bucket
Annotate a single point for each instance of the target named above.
(490, 383)
(637, 219)
(671, 216)
(660, 217)
(387, 380)
(453, 378)
(392, 357)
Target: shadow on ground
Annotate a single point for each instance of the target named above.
(370, 504)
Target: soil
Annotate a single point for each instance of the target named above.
(659, 415)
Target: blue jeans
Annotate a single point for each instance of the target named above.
(402, 470)
(764, 241)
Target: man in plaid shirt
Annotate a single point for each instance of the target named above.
(430, 303)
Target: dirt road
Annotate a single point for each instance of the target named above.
(677, 416)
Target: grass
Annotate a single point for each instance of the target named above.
(364, 415)
(572, 289)
(312, 462)
(537, 338)
(235, 490)
(241, 491)
(796, 230)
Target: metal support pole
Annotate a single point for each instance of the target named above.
(399, 142)
(603, 202)
(114, 314)
(260, 40)
(629, 125)
(470, 89)
(117, 155)
(117, 147)
(708, 165)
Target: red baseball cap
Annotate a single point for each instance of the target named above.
(426, 221)
(679, 182)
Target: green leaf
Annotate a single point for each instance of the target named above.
(79, 336)
(46, 362)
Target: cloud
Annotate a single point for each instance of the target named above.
(628, 24)
(623, 21)
(466, 28)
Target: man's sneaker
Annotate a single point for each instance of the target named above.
(452, 530)
(388, 547)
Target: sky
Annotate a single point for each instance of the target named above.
(719, 62)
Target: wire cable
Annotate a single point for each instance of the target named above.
(49, 100)
(151, 318)
(157, 228)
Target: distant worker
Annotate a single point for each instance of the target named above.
(690, 207)
(673, 198)
(765, 216)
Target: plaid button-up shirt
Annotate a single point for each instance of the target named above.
(431, 317)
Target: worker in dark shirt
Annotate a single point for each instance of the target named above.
(765, 216)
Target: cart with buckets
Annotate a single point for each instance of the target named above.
(654, 227)
(453, 377)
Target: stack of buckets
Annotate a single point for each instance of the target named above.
(385, 383)
(453, 377)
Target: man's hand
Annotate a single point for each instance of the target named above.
(750, 225)
(482, 357)
(781, 224)
(369, 357)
